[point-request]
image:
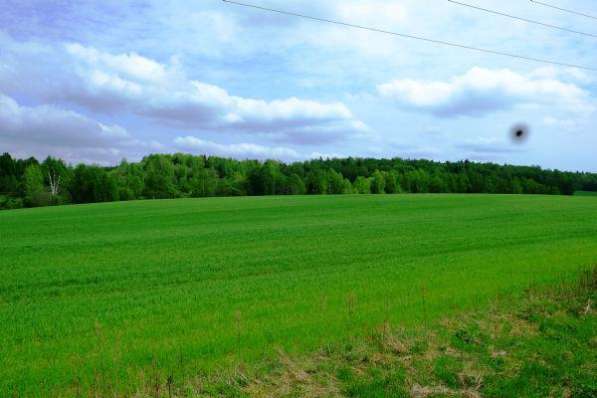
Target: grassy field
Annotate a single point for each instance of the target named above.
(540, 344)
(585, 193)
(113, 298)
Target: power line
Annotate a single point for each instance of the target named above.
(531, 21)
(582, 14)
(407, 36)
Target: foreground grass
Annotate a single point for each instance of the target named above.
(110, 299)
(541, 345)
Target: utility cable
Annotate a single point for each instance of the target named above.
(582, 14)
(408, 36)
(531, 21)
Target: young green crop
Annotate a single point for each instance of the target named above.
(111, 298)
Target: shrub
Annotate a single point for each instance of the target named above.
(8, 203)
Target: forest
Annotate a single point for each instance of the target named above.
(31, 183)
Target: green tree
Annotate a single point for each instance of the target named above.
(35, 191)
(517, 186)
(362, 185)
(317, 182)
(437, 184)
(266, 179)
(392, 182)
(296, 185)
(57, 176)
(204, 183)
(9, 183)
(347, 187)
(184, 175)
(232, 185)
(159, 177)
(93, 184)
(378, 182)
(129, 180)
(335, 185)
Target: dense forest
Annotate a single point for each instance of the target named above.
(29, 183)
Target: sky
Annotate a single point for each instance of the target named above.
(98, 82)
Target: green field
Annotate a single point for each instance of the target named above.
(585, 193)
(107, 297)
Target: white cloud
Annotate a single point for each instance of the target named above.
(238, 151)
(130, 66)
(139, 73)
(247, 150)
(172, 98)
(570, 74)
(481, 91)
(132, 84)
(43, 130)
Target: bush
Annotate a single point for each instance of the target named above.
(8, 203)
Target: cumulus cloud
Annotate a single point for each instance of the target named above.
(247, 150)
(43, 130)
(156, 91)
(481, 91)
(130, 66)
(570, 74)
(224, 74)
(133, 84)
(239, 151)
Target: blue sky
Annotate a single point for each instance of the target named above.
(97, 82)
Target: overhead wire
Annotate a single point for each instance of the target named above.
(582, 14)
(531, 21)
(409, 36)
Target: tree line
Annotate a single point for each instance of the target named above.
(30, 183)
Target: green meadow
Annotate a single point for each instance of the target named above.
(585, 193)
(108, 299)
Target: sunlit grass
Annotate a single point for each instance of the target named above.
(106, 297)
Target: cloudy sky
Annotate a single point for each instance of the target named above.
(96, 82)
